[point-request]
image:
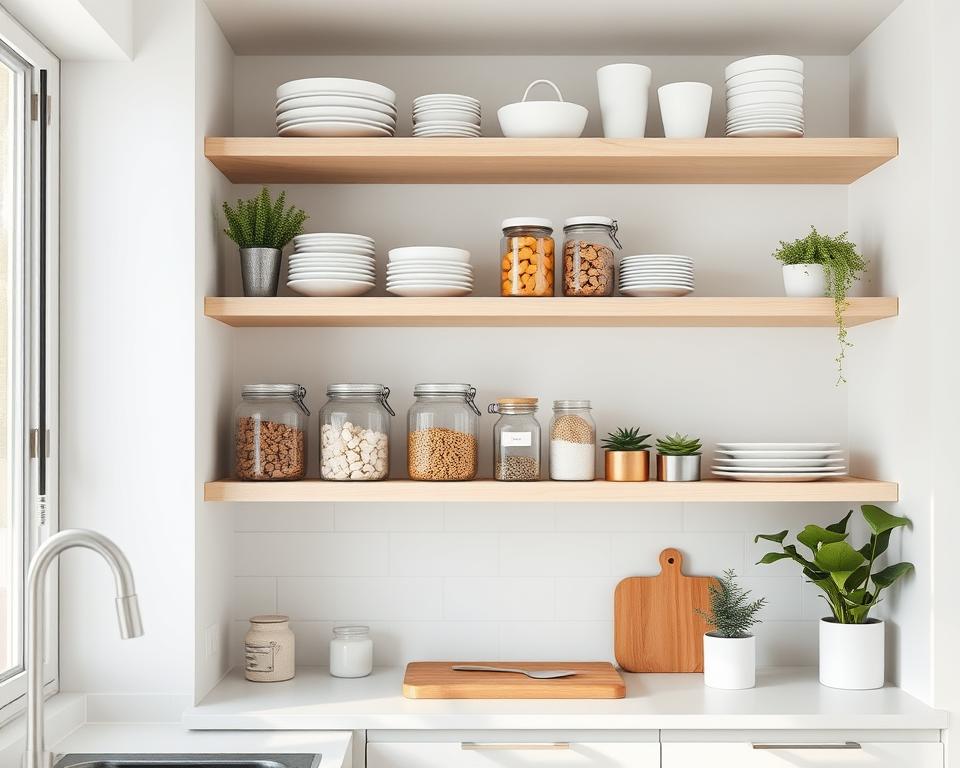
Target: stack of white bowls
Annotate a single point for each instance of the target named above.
(426, 270)
(335, 106)
(332, 264)
(653, 274)
(779, 462)
(765, 97)
(446, 114)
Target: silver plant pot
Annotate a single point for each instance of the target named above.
(678, 469)
(260, 270)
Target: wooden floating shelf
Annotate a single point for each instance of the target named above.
(477, 311)
(848, 489)
(548, 161)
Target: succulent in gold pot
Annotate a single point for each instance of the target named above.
(626, 458)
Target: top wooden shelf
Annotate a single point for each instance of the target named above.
(548, 161)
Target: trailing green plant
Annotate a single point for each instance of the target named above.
(263, 223)
(625, 440)
(732, 613)
(842, 265)
(846, 575)
(679, 445)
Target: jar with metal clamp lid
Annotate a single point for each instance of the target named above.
(589, 265)
(516, 439)
(442, 432)
(270, 436)
(355, 432)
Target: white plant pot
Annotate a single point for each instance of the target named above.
(804, 280)
(851, 655)
(729, 662)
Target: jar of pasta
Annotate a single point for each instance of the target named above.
(526, 257)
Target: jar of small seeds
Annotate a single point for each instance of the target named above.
(442, 429)
(516, 439)
(588, 258)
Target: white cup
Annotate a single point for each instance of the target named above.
(685, 109)
(623, 100)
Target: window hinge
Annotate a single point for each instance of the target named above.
(35, 108)
(35, 444)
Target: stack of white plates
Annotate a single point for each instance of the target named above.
(332, 264)
(779, 462)
(335, 106)
(425, 270)
(656, 275)
(765, 97)
(446, 114)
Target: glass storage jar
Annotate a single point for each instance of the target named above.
(573, 441)
(589, 266)
(270, 434)
(351, 652)
(516, 439)
(355, 432)
(526, 257)
(442, 431)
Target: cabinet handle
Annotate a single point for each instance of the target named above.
(480, 746)
(836, 745)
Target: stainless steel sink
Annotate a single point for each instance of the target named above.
(189, 761)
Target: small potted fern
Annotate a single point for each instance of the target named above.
(626, 458)
(678, 458)
(730, 651)
(261, 228)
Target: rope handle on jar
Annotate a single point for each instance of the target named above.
(384, 394)
(545, 82)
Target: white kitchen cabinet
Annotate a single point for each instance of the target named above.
(506, 754)
(781, 754)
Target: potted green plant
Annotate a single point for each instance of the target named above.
(730, 651)
(626, 458)
(261, 228)
(851, 643)
(820, 265)
(678, 458)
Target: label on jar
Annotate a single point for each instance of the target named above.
(259, 657)
(516, 439)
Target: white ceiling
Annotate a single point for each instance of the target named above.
(520, 27)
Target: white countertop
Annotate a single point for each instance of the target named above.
(787, 698)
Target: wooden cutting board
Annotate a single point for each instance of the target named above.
(655, 627)
(437, 680)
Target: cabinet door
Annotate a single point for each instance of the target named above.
(512, 755)
(781, 755)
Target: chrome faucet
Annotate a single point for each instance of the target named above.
(128, 612)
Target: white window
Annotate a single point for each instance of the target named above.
(29, 143)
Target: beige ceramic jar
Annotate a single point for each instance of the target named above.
(269, 650)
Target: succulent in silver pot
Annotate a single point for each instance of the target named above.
(678, 458)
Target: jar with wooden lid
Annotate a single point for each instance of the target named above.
(573, 441)
(269, 650)
(526, 257)
(270, 433)
(443, 427)
(516, 439)
(589, 266)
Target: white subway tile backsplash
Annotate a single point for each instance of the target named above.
(787, 643)
(443, 554)
(253, 595)
(704, 554)
(360, 599)
(498, 517)
(388, 517)
(307, 598)
(619, 517)
(498, 598)
(288, 518)
(783, 597)
(311, 554)
(556, 640)
(395, 643)
(758, 518)
(555, 554)
(584, 599)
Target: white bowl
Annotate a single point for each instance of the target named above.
(331, 287)
(336, 84)
(765, 76)
(542, 119)
(753, 63)
(767, 97)
(416, 253)
(766, 85)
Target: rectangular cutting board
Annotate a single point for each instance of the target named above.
(655, 627)
(437, 680)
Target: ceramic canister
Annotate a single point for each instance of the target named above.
(269, 650)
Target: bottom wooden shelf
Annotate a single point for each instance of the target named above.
(846, 489)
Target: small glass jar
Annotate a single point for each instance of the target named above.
(351, 652)
(573, 441)
(270, 434)
(526, 257)
(589, 266)
(443, 427)
(516, 439)
(269, 650)
(355, 432)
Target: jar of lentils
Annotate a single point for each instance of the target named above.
(443, 426)
(516, 439)
(355, 432)
(588, 261)
(526, 257)
(573, 441)
(270, 434)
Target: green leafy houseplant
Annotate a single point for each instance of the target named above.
(625, 440)
(732, 614)
(263, 223)
(679, 445)
(842, 265)
(846, 575)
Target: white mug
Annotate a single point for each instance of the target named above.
(685, 109)
(623, 99)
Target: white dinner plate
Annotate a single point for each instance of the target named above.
(780, 462)
(338, 113)
(779, 470)
(763, 86)
(819, 455)
(673, 270)
(359, 120)
(299, 98)
(451, 271)
(446, 135)
(358, 277)
(446, 113)
(331, 287)
(428, 290)
(768, 97)
(368, 272)
(647, 260)
(458, 97)
(765, 126)
(336, 84)
(786, 477)
(755, 109)
(335, 258)
(658, 280)
(765, 76)
(654, 291)
(430, 280)
(773, 446)
(356, 130)
(770, 133)
(350, 251)
(337, 100)
(652, 277)
(767, 61)
(446, 132)
(332, 236)
(747, 124)
(361, 257)
(426, 253)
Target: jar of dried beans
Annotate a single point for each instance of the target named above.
(526, 257)
(588, 256)
(270, 438)
(516, 439)
(355, 432)
(442, 429)
(573, 441)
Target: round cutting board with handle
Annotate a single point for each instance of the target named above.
(656, 627)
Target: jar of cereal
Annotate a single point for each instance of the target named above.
(588, 261)
(526, 257)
